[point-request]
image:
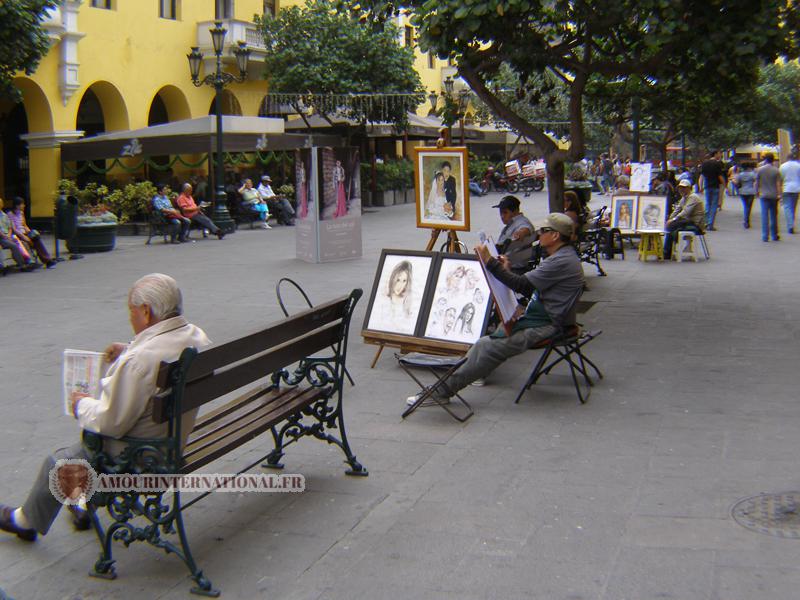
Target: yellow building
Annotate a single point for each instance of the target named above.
(121, 64)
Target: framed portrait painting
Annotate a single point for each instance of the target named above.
(460, 304)
(441, 184)
(652, 213)
(398, 291)
(623, 212)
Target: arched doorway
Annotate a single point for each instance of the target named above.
(101, 109)
(169, 104)
(230, 105)
(32, 115)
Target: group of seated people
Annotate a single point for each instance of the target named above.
(262, 202)
(180, 218)
(553, 288)
(20, 240)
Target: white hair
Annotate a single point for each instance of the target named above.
(160, 292)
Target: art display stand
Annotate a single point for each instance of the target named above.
(651, 244)
(453, 243)
(406, 344)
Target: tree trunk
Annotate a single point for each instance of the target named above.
(555, 181)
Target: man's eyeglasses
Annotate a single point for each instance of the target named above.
(545, 230)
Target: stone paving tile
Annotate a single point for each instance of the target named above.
(626, 497)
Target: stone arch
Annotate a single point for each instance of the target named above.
(174, 101)
(115, 112)
(230, 104)
(37, 107)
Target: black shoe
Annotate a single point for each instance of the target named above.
(81, 520)
(7, 524)
(220, 234)
(50, 264)
(791, 230)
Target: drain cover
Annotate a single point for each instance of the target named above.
(773, 514)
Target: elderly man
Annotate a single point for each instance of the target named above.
(190, 210)
(687, 215)
(278, 205)
(124, 406)
(554, 287)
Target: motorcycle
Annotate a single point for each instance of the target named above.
(495, 180)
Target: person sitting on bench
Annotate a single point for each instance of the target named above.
(515, 238)
(688, 215)
(123, 408)
(554, 286)
(190, 210)
(178, 224)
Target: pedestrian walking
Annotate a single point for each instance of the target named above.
(768, 188)
(790, 176)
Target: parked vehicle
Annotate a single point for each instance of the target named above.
(495, 179)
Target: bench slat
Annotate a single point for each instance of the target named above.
(274, 335)
(201, 391)
(247, 433)
(229, 407)
(238, 412)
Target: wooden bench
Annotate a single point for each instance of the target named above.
(280, 387)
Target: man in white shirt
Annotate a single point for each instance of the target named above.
(124, 407)
(278, 205)
(790, 173)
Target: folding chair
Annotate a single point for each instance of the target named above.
(302, 292)
(441, 367)
(566, 344)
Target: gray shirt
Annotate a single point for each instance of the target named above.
(746, 180)
(517, 223)
(767, 178)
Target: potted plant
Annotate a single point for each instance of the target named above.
(97, 226)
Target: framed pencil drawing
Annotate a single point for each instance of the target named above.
(398, 291)
(441, 184)
(623, 212)
(652, 213)
(460, 301)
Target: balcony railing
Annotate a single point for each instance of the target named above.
(238, 31)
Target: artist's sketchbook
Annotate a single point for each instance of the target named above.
(503, 295)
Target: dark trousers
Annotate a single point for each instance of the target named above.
(672, 230)
(282, 209)
(205, 223)
(39, 247)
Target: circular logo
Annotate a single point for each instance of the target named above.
(72, 481)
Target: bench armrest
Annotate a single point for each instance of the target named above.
(139, 455)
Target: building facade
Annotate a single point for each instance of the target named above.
(121, 64)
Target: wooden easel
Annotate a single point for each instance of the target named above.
(411, 344)
(453, 245)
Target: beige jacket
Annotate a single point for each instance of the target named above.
(692, 209)
(125, 406)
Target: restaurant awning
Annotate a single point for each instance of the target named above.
(194, 136)
(418, 127)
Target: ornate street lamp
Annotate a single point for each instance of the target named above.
(433, 98)
(219, 80)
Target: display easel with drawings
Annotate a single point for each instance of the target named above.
(431, 302)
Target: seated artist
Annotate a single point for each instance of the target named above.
(516, 236)
(554, 288)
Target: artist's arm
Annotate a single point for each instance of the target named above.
(518, 283)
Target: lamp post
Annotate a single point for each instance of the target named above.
(219, 80)
(461, 104)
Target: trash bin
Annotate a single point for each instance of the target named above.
(66, 218)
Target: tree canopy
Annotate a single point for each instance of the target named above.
(318, 50)
(589, 43)
(23, 40)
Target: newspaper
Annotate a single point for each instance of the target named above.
(82, 372)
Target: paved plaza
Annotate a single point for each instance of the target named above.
(627, 497)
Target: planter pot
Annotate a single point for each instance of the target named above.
(384, 198)
(97, 237)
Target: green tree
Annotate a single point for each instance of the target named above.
(23, 40)
(778, 101)
(588, 42)
(325, 53)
